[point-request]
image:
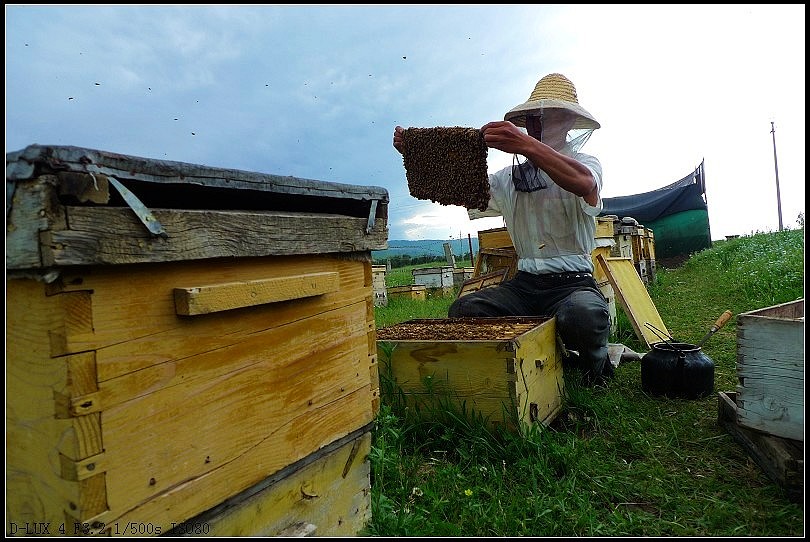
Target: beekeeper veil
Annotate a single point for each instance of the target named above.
(553, 111)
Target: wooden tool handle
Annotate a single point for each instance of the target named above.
(725, 317)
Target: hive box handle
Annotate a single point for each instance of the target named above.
(211, 298)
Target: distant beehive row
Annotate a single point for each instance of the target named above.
(447, 165)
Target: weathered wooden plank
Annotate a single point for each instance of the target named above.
(791, 310)
(200, 207)
(279, 345)
(76, 310)
(194, 300)
(770, 369)
(79, 388)
(116, 236)
(122, 166)
(773, 374)
(207, 419)
(772, 338)
(470, 369)
(781, 459)
(33, 209)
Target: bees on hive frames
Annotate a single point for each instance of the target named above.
(447, 165)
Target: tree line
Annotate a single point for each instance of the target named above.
(405, 260)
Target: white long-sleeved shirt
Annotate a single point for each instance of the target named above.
(560, 222)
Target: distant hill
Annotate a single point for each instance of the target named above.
(425, 247)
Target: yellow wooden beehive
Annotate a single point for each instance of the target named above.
(378, 283)
(161, 357)
(411, 291)
(507, 370)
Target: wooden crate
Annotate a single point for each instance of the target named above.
(461, 274)
(162, 323)
(413, 291)
(643, 270)
(770, 369)
(434, 278)
(324, 494)
(506, 369)
(648, 246)
(491, 260)
(494, 238)
(623, 247)
(378, 283)
(638, 240)
(781, 459)
(479, 282)
(605, 226)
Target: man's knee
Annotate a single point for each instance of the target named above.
(587, 312)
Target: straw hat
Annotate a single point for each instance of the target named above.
(552, 91)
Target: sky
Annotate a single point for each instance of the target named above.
(315, 91)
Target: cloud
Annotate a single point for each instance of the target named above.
(315, 91)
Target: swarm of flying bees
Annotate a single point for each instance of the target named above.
(447, 165)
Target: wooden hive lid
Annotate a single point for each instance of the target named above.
(243, 213)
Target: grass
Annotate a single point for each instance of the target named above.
(616, 462)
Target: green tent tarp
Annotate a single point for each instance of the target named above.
(677, 214)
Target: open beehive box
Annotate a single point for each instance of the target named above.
(506, 369)
(187, 343)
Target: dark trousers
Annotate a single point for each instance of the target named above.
(583, 321)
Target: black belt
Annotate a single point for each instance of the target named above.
(565, 276)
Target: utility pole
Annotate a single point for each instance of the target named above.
(776, 170)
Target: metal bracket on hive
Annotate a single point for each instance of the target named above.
(372, 215)
(141, 211)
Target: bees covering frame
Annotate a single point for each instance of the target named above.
(447, 165)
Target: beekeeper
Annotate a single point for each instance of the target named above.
(548, 198)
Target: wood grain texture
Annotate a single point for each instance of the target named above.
(42, 438)
(326, 494)
(499, 379)
(770, 370)
(61, 211)
(34, 209)
(145, 416)
(194, 300)
(76, 159)
(634, 298)
(116, 236)
(781, 459)
(132, 331)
